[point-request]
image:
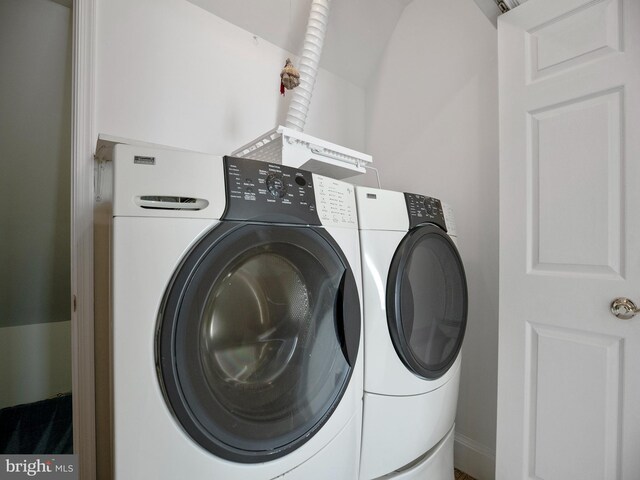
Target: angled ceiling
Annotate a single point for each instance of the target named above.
(357, 33)
(490, 9)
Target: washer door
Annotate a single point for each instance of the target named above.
(427, 301)
(257, 338)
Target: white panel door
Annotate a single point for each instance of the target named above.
(569, 370)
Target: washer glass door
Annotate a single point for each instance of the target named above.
(427, 301)
(252, 340)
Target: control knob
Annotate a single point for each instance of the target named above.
(275, 185)
(429, 206)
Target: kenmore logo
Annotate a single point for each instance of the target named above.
(139, 159)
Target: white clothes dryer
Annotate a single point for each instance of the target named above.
(235, 320)
(415, 313)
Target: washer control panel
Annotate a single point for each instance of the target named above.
(269, 192)
(336, 202)
(423, 209)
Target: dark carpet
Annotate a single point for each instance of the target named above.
(37, 428)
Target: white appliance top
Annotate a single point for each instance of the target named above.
(397, 211)
(157, 182)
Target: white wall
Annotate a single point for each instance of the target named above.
(36, 362)
(35, 132)
(432, 112)
(35, 136)
(169, 72)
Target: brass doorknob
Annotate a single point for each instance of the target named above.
(624, 308)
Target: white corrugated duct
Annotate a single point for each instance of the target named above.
(313, 42)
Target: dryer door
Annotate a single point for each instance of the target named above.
(427, 301)
(257, 338)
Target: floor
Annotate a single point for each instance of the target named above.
(462, 476)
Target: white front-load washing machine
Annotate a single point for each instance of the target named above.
(236, 320)
(415, 313)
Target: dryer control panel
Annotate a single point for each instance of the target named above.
(423, 209)
(269, 192)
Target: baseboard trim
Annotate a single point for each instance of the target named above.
(474, 458)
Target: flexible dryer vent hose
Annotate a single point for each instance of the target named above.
(313, 42)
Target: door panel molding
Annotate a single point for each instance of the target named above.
(555, 394)
(562, 148)
(597, 32)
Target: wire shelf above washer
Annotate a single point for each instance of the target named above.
(299, 150)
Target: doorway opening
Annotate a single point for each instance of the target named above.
(35, 239)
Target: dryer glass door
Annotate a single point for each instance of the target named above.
(427, 301)
(256, 338)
